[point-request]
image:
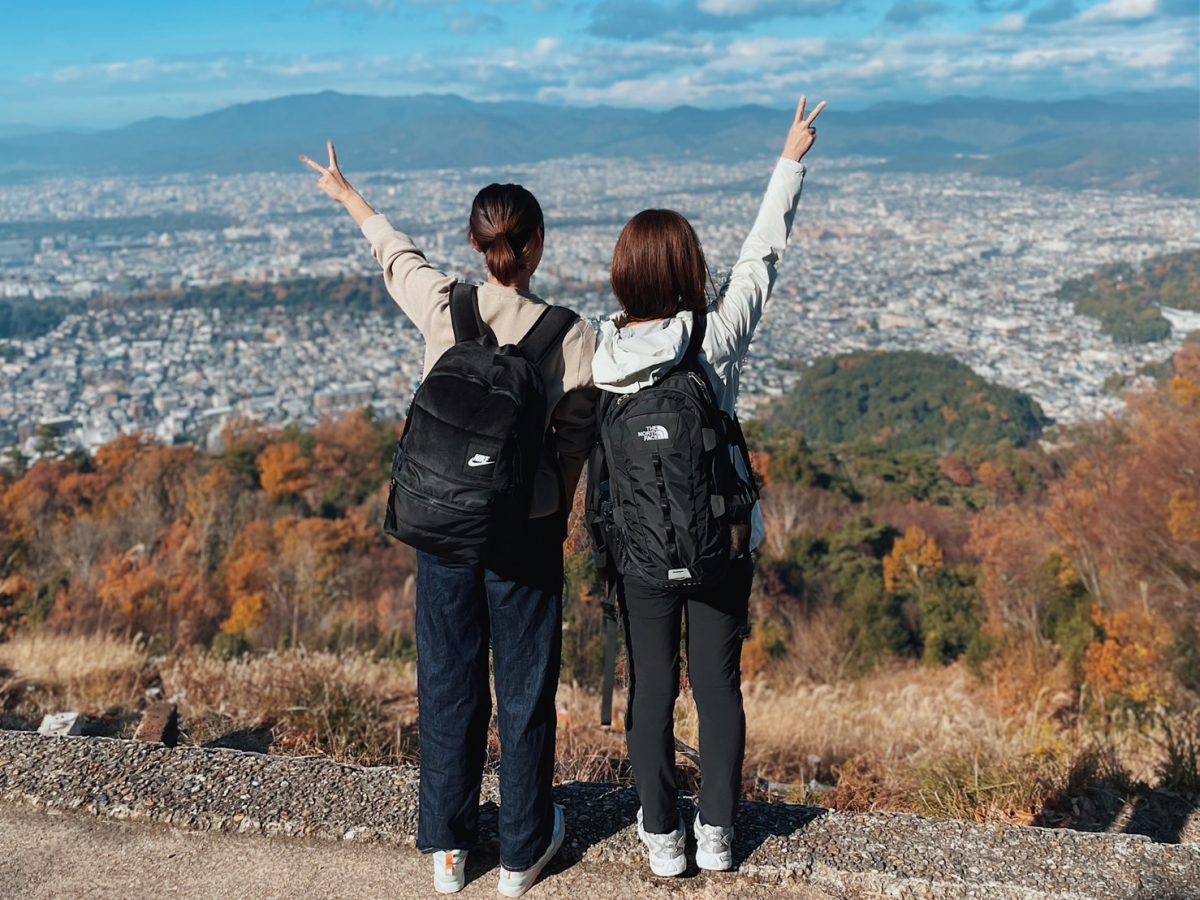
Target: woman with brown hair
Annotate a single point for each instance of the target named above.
(667, 326)
(512, 601)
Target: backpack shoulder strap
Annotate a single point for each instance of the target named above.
(690, 361)
(547, 333)
(696, 338)
(464, 312)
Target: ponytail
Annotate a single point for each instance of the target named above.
(504, 220)
(501, 260)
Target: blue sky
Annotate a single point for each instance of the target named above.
(95, 64)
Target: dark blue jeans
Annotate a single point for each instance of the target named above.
(516, 603)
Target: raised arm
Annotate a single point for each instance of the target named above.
(333, 184)
(740, 306)
(417, 287)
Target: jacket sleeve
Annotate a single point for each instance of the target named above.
(739, 308)
(574, 417)
(418, 288)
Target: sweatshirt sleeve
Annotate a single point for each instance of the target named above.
(574, 417)
(418, 288)
(740, 306)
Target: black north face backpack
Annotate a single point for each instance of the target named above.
(462, 476)
(665, 501)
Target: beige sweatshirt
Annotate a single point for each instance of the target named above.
(423, 293)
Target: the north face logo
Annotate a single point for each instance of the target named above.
(654, 433)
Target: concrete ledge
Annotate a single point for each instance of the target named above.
(843, 854)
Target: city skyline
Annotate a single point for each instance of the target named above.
(878, 261)
(121, 62)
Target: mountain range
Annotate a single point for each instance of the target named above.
(1147, 141)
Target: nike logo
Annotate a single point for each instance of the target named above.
(478, 460)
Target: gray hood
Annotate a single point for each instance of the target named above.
(631, 358)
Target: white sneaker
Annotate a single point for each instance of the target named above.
(714, 846)
(666, 850)
(514, 884)
(449, 871)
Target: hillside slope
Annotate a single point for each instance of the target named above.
(1127, 299)
(907, 400)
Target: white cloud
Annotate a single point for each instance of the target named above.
(711, 70)
(151, 71)
(134, 70)
(1047, 57)
(1010, 24)
(728, 7)
(1121, 11)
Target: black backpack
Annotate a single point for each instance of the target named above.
(462, 476)
(665, 501)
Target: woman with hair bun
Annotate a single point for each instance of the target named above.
(515, 603)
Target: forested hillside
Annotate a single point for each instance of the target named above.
(1126, 299)
(905, 400)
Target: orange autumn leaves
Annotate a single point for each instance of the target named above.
(284, 469)
(274, 542)
(1123, 524)
(1127, 664)
(914, 558)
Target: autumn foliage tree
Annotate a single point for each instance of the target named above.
(182, 547)
(1124, 512)
(284, 470)
(913, 561)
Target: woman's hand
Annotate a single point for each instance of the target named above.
(803, 134)
(333, 184)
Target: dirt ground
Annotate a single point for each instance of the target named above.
(76, 855)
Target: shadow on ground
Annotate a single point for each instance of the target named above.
(596, 813)
(1157, 814)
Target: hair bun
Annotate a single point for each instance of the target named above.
(504, 219)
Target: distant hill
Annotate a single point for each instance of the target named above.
(906, 400)
(1127, 299)
(1067, 142)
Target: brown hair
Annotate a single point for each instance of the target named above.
(658, 266)
(504, 219)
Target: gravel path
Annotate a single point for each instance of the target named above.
(781, 849)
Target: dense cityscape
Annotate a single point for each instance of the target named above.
(958, 265)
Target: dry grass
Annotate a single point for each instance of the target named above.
(894, 714)
(905, 738)
(350, 707)
(95, 674)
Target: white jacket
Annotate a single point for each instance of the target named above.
(630, 358)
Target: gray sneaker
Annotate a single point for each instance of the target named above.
(515, 884)
(449, 871)
(714, 846)
(666, 850)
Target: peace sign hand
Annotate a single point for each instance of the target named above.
(803, 133)
(332, 183)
